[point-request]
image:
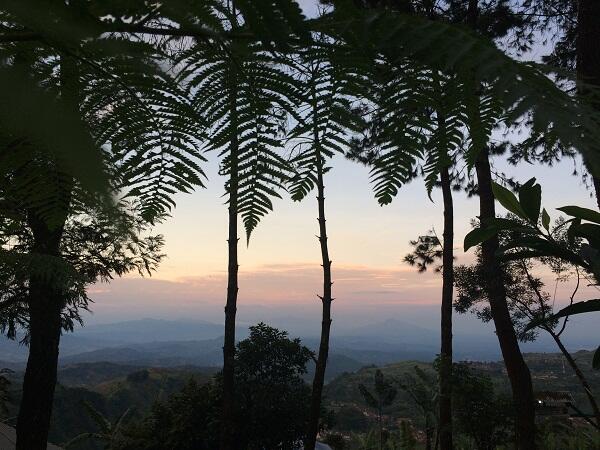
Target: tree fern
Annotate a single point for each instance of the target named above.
(240, 91)
(324, 121)
(521, 89)
(137, 122)
(399, 125)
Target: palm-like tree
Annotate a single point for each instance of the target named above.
(423, 128)
(324, 121)
(418, 385)
(127, 121)
(383, 395)
(241, 92)
(109, 433)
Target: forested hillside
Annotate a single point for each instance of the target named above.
(113, 389)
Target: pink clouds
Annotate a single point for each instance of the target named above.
(287, 288)
(270, 284)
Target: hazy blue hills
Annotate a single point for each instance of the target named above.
(148, 330)
(157, 354)
(174, 343)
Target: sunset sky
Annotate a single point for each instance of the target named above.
(280, 272)
(280, 268)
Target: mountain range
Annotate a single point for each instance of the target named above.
(173, 343)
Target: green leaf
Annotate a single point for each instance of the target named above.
(530, 197)
(572, 230)
(596, 360)
(508, 200)
(545, 219)
(502, 223)
(479, 235)
(541, 247)
(571, 310)
(581, 213)
(590, 232)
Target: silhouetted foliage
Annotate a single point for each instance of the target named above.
(272, 402)
(480, 412)
(4, 394)
(383, 395)
(421, 386)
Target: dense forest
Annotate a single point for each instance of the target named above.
(111, 109)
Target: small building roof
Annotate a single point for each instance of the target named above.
(8, 438)
(319, 446)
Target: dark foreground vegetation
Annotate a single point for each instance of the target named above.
(109, 109)
(396, 404)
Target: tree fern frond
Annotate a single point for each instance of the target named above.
(240, 91)
(147, 125)
(521, 89)
(325, 120)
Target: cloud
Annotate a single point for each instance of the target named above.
(375, 292)
(275, 285)
(284, 294)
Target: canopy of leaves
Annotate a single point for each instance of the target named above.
(96, 246)
(479, 411)
(272, 406)
(383, 393)
(329, 79)
(240, 91)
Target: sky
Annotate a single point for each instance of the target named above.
(280, 269)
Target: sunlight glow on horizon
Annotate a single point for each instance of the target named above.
(281, 266)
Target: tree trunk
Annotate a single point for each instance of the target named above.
(518, 372)
(584, 383)
(45, 302)
(380, 422)
(588, 59)
(46, 298)
(428, 433)
(321, 365)
(445, 405)
(228, 425)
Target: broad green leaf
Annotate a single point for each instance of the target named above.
(508, 200)
(502, 223)
(479, 235)
(530, 197)
(572, 230)
(545, 219)
(589, 231)
(535, 246)
(581, 213)
(571, 310)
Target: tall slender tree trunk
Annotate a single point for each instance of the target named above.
(380, 423)
(228, 425)
(445, 403)
(46, 301)
(46, 298)
(428, 433)
(588, 59)
(321, 365)
(579, 374)
(518, 372)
